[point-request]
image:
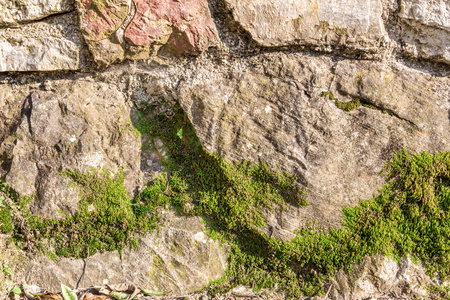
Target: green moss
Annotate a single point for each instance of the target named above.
(107, 219)
(340, 31)
(348, 106)
(5, 220)
(327, 93)
(355, 103)
(439, 292)
(358, 79)
(368, 105)
(409, 216)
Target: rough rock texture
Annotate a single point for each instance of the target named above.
(426, 28)
(15, 12)
(273, 112)
(14, 259)
(67, 125)
(267, 107)
(119, 29)
(264, 104)
(321, 24)
(49, 45)
(177, 258)
(378, 277)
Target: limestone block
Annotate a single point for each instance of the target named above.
(426, 29)
(322, 23)
(15, 12)
(41, 46)
(273, 111)
(72, 125)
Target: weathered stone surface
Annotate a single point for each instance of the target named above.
(274, 113)
(435, 13)
(100, 18)
(10, 110)
(177, 258)
(119, 29)
(185, 26)
(322, 24)
(15, 12)
(41, 46)
(380, 276)
(426, 28)
(71, 125)
(14, 259)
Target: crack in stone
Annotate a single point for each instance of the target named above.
(21, 23)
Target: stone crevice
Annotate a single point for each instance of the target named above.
(43, 19)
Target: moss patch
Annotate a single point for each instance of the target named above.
(409, 216)
(107, 219)
(353, 104)
(328, 94)
(5, 220)
(348, 106)
(231, 196)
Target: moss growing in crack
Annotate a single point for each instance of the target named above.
(107, 219)
(348, 106)
(328, 94)
(354, 103)
(5, 220)
(233, 194)
(409, 216)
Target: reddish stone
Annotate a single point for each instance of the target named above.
(101, 18)
(185, 25)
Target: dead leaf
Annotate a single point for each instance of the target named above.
(135, 292)
(50, 296)
(90, 296)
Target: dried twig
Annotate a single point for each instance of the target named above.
(329, 289)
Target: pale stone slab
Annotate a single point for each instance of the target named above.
(357, 24)
(426, 29)
(427, 12)
(379, 273)
(15, 12)
(41, 46)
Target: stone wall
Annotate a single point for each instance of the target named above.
(250, 75)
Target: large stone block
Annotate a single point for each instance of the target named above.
(426, 29)
(178, 258)
(41, 46)
(317, 23)
(119, 29)
(273, 112)
(16, 12)
(70, 125)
